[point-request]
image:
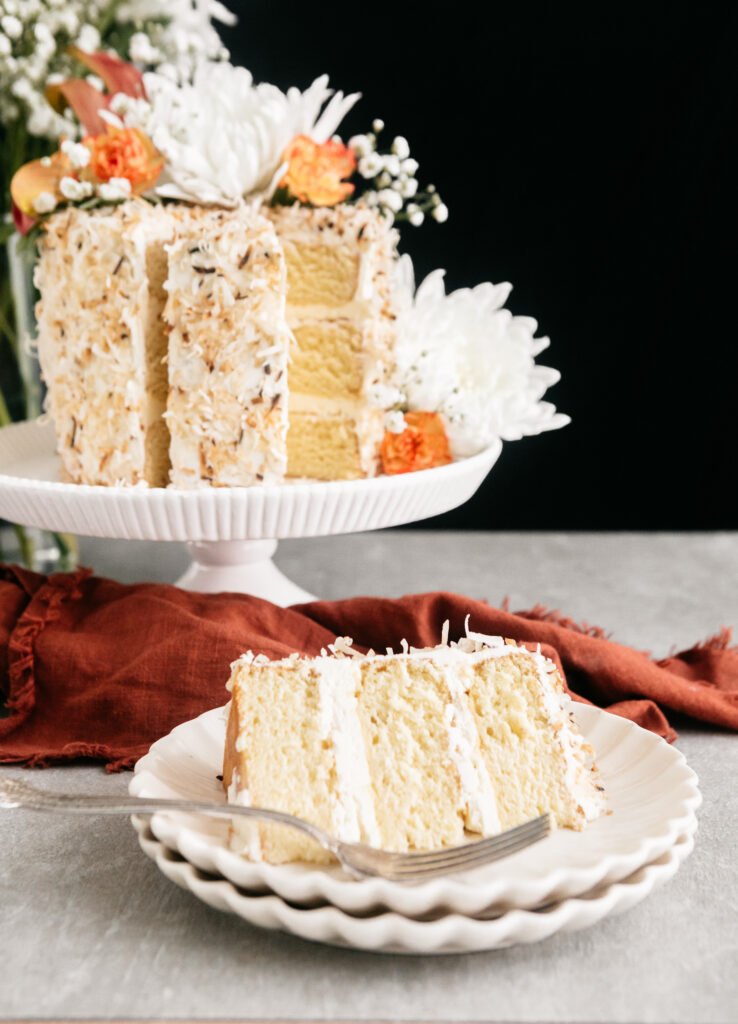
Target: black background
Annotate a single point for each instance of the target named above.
(584, 154)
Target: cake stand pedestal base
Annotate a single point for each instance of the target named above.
(240, 566)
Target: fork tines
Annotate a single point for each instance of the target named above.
(473, 854)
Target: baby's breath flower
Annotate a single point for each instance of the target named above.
(393, 179)
(115, 189)
(391, 164)
(79, 155)
(88, 38)
(385, 396)
(12, 27)
(133, 112)
(142, 51)
(43, 33)
(360, 145)
(370, 165)
(395, 422)
(440, 213)
(401, 148)
(390, 198)
(408, 188)
(75, 190)
(44, 202)
(377, 125)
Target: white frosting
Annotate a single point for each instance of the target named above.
(476, 786)
(228, 351)
(245, 829)
(354, 818)
(557, 704)
(91, 275)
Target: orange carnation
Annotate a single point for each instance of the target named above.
(422, 444)
(123, 153)
(315, 172)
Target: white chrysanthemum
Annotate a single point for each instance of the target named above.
(223, 137)
(467, 357)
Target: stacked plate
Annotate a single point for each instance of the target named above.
(568, 881)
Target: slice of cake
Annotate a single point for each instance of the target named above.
(407, 751)
(101, 341)
(228, 350)
(339, 275)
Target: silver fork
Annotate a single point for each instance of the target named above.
(359, 859)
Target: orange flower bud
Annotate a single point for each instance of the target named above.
(422, 444)
(123, 153)
(315, 172)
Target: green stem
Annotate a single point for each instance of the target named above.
(7, 329)
(5, 419)
(25, 545)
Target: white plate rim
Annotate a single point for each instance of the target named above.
(484, 891)
(390, 932)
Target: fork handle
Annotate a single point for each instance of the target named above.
(70, 803)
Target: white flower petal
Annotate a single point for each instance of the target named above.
(467, 357)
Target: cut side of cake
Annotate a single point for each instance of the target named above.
(339, 275)
(405, 751)
(228, 351)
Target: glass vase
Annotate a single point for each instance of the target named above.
(22, 398)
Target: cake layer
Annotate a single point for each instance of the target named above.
(321, 275)
(332, 439)
(405, 751)
(327, 358)
(338, 258)
(228, 351)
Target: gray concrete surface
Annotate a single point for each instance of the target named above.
(89, 928)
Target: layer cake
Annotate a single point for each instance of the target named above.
(405, 751)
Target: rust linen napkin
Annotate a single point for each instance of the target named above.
(96, 669)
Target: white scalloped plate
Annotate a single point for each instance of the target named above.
(30, 493)
(393, 933)
(652, 797)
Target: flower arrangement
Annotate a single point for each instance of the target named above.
(219, 139)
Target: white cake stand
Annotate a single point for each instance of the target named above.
(231, 532)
